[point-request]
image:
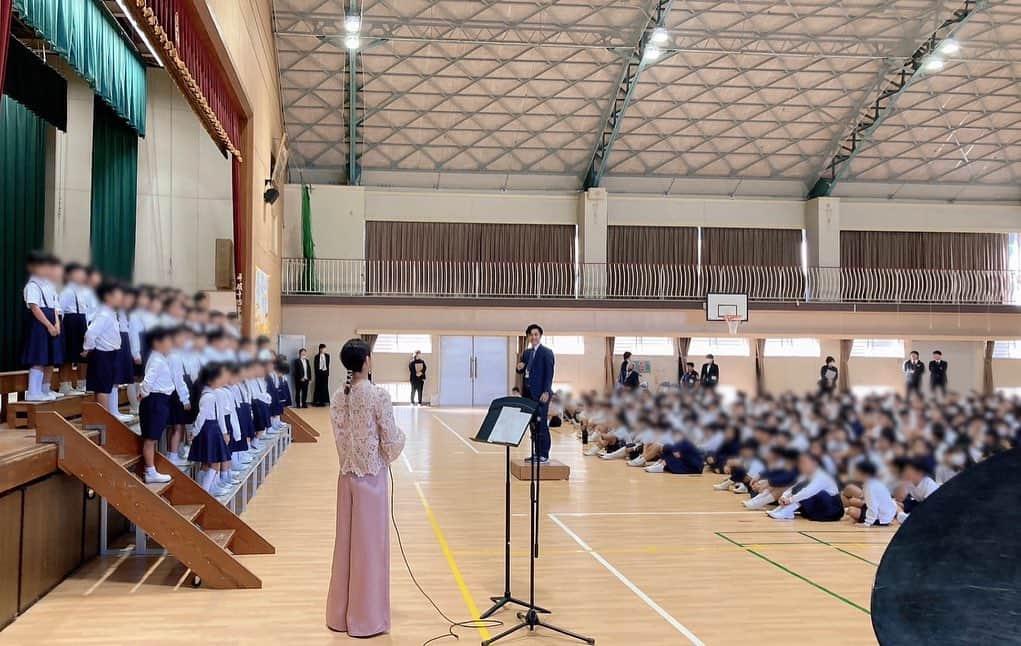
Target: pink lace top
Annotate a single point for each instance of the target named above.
(363, 425)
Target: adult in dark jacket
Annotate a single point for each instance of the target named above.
(321, 366)
(710, 375)
(938, 374)
(416, 373)
(302, 373)
(536, 364)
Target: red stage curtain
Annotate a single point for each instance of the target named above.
(5, 30)
(239, 221)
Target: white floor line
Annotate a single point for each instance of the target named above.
(457, 435)
(407, 462)
(582, 514)
(681, 628)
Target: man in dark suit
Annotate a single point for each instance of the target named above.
(938, 374)
(302, 372)
(632, 381)
(321, 365)
(710, 375)
(416, 372)
(623, 368)
(913, 371)
(536, 365)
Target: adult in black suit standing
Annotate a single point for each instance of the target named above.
(537, 366)
(938, 374)
(631, 379)
(710, 375)
(302, 372)
(623, 368)
(913, 371)
(321, 365)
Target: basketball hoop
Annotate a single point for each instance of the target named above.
(733, 322)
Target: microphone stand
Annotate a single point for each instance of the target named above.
(530, 618)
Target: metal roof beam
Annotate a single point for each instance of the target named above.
(899, 80)
(633, 68)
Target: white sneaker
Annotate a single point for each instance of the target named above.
(127, 419)
(659, 467)
(901, 517)
(760, 501)
(153, 477)
(637, 462)
(176, 460)
(723, 486)
(614, 455)
(183, 451)
(592, 450)
(50, 396)
(36, 397)
(272, 431)
(739, 487)
(782, 513)
(245, 458)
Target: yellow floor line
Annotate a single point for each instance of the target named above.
(468, 599)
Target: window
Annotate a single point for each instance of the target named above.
(727, 346)
(403, 343)
(561, 387)
(878, 348)
(646, 346)
(797, 347)
(565, 344)
(400, 393)
(1007, 349)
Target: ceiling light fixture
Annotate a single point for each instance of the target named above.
(138, 30)
(352, 41)
(353, 24)
(934, 64)
(652, 52)
(659, 36)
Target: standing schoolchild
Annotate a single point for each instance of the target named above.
(73, 300)
(192, 370)
(93, 279)
(276, 400)
(180, 399)
(262, 349)
(232, 431)
(43, 344)
(260, 404)
(156, 388)
(283, 372)
(126, 361)
(243, 401)
(102, 346)
(209, 447)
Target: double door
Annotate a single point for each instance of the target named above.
(473, 370)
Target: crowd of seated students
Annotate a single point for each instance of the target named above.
(188, 371)
(822, 456)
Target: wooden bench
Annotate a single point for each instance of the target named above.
(22, 414)
(16, 383)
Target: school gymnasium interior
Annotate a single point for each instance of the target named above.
(809, 191)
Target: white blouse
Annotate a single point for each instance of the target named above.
(365, 430)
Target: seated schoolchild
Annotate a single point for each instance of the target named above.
(875, 507)
(680, 457)
(918, 485)
(780, 474)
(815, 496)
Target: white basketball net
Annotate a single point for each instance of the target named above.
(733, 322)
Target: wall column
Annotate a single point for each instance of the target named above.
(592, 230)
(822, 233)
(69, 174)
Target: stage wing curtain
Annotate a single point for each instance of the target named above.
(843, 379)
(652, 261)
(683, 346)
(609, 370)
(35, 85)
(519, 378)
(5, 38)
(114, 193)
(238, 216)
(983, 255)
(370, 339)
(85, 36)
(22, 216)
(763, 263)
(458, 258)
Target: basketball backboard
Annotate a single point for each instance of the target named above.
(719, 306)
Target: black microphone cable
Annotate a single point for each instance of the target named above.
(471, 623)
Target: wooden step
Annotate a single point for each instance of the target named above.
(127, 460)
(23, 414)
(220, 536)
(190, 512)
(159, 488)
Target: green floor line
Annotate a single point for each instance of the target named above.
(793, 573)
(852, 554)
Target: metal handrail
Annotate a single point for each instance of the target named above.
(646, 281)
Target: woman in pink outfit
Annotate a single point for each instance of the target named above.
(367, 441)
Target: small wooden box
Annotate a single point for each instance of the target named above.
(552, 470)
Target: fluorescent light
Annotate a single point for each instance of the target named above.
(351, 41)
(949, 46)
(652, 52)
(138, 30)
(659, 36)
(934, 64)
(353, 24)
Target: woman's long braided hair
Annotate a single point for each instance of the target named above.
(353, 356)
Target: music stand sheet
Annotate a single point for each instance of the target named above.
(510, 426)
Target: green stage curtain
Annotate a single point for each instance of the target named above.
(114, 193)
(308, 247)
(85, 36)
(22, 216)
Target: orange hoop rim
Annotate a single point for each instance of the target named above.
(733, 322)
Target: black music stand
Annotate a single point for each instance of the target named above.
(497, 431)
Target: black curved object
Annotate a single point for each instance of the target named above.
(952, 574)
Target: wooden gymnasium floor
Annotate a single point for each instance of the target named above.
(627, 557)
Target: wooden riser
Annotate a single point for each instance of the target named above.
(23, 414)
(301, 431)
(166, 512)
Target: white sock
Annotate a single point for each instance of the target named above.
(48, 383)
(35, 382)
(133, 396)
(208, 477)
(115, 398)
(65, 386)
(225, 477)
